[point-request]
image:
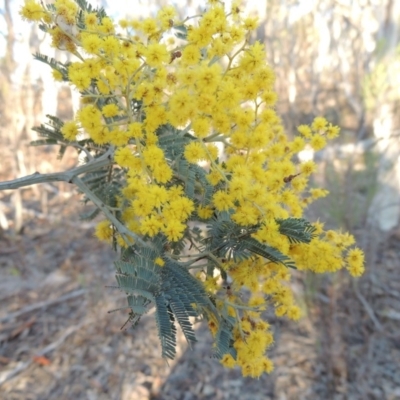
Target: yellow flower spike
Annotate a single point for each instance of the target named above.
(110, 110)
(228, 361)
(174, 230)
(318, 193)
(281, 310)
(319, 124)
(70, 130)
(91, 20)
(92, 43)
(195, 152)
(107, 26)
(32, 11)
(150, 226)
(268, 365)
(317, 142)
(104, 231)
(205, 212)
(222, 201)
(305, 130)
(159, 261)
(156, 55)
(294, 313)
(308, 167)
(332, 131)
(148, 27)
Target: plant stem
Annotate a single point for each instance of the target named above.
(93, 165)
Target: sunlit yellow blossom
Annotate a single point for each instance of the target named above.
(214, 177)
(174, 230)
(159, 261)
(318, 142)
(318, 193)
(166, 16)
(91, 20)
(332, 131)
(57, 75)
(308, 167)
(356, 270)
(201, 126)
(32, 11)
(150, 226)
(305, 130)
(156, 54)
(104, 230)
(162, 172)
(355, 257)
(110, 110)
(149, 27)
(124, 157)
(319, 123)
(70, 130)
(195, 152)
(250, 23)
(294, 313)
(205, 212)
(135, 130)
(222, 201)
(228, 361)
(191, 55)
(91, 43)
(107, 25)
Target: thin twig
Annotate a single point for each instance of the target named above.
(43, 304)
(367, 307)
(67, 176)
(122, 229)
(21, 366)
(72, 176)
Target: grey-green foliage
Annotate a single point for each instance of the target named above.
(231, 241)
(175, 293)
(54, 64)
(193, 177)
(297, 230)
(51, 135)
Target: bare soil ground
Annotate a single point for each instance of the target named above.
(57, 340)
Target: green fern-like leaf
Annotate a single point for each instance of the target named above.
(86, 6)
(181, 32)
(297, 230)
(175, 293)
(51, 134)
(179, 310)
(253, 246)
(224, 338)
(166, 327)
(229, 240)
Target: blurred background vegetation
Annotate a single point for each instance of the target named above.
(334, 58)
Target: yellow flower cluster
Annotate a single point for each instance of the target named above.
(217, 87)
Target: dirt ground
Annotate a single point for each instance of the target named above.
(58, 341)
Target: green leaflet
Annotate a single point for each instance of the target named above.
(166, 327)
(297, 230)
(175, 293)
(224, 338)
(51, 134)
(231, 241)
